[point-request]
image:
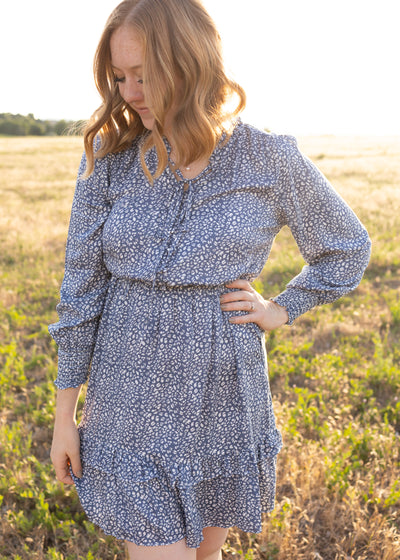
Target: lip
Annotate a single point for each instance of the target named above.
(142, 109)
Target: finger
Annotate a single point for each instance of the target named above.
(62, 468)
(66, 479)
(76, 464)
(241, 283)
(241, 319)
(248, 306)
(63, 475)
(239, 295)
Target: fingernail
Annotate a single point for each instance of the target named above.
(79, 474)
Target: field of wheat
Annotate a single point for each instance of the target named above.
(335, 375)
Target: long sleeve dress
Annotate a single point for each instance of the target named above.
(178, 431)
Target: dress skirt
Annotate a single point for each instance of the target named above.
(177, 430)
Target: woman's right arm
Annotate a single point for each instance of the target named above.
(83, 291)
(65, 449)
(86, 278)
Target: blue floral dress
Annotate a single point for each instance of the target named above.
(178, 431)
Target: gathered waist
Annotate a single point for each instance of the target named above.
(161, 286)
(191, 300)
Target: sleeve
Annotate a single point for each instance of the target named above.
(331, 239)
(86, 278)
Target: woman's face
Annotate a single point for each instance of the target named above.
(127, 63)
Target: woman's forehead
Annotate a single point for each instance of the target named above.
(126, 49)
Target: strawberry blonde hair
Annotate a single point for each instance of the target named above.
(179, 40)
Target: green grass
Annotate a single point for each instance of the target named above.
(335, 375)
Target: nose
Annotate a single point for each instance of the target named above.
(132, 92)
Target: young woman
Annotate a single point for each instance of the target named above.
(176, 207)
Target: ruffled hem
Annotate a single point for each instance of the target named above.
(182, 472)
(152, 513)
(155, 500)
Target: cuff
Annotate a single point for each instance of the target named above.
(73, 369)
(296, 302)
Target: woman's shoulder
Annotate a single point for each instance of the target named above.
(251, 136)
(113, 160)
(107, 165)
(267, 151)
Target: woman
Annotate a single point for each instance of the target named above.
(176, 207)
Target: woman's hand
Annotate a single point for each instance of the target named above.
(65, 451)
(266, 313)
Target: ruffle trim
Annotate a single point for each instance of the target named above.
(185, 473)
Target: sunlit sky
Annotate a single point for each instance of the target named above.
(308, 66)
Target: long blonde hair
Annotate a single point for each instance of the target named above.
(179, 40)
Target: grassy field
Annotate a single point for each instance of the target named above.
(335, 375)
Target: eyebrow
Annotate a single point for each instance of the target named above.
(132, 68)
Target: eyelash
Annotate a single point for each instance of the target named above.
(122, 80)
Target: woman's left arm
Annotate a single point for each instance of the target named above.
(331, 239)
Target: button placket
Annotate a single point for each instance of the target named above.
(179, 216)
(176, 230)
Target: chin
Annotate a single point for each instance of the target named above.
(148, 122)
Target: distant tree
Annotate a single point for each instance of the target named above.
(12, 128)
(60, 127)
(49, 128)
(21, 125)
(36, 129)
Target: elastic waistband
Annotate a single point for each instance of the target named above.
(159, 285)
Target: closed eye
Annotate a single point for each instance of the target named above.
(118, 80)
